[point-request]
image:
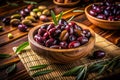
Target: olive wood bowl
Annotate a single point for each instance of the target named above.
(66, 4)
(105, 24)
(61, 55)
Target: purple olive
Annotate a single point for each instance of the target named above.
(99, 54)
(93, 12)
(63, 44)
(41, 31)
(39, 39)
(22, 27)
(62, 22)
(83, 40)
(6, 20)
(74, 44)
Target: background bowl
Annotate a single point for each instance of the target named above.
(105, 24)
(61, 55)
(66, 4)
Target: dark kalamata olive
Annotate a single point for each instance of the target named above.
(99, 54)
(98, 10)
(82, 40)
(22, 27)
(26, 10)
(101, 16)
(52, 32)
(94, 6)
(87, 33)
(46, 35)
(50, 26)
(55, 46)
(74, 44)
(63, 44)
(72, 38)
(6, 20)
(107, 12)
(39, 39)
(41, 31)
(57, 33)
(59, 26)
(74, 25)
(69, 29)
(22, 13)
(62, 21)
(93, 12)
(44, 26)
(49, 42)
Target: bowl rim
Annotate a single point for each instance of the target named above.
(64, 4)
(87, 13)
(32, 32)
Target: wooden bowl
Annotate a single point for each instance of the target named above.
(66, 4)
(105, 24)
(61, 55)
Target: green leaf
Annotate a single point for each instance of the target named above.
(72, 71)
(30, 2)
(54, 17)
(70, 19)
(100, 71)
(12, 4)
(41, 73)
(60, 16)
(21, 47)
(38, 67)
(81, 74)
(10, 69)
(3, 56)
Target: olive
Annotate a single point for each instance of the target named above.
(36, 10)
(33, 14)
(30, 18)
(39, 14)
(10, 36)
(44, 18)
(1, 28)
(16, 16)
(15, 22)
(27, 22)
(46, 12)
(41, 8)
(99, 54)
(6, 20)
(22, 27)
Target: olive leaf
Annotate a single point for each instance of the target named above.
(59, 17)
(54, 17)
(21, 47)
(12, 4)
(73, 71)
(78, 11)
(38, 67)
(42, 72)
(70, 19)
(10, 69)
(30, 2)
(3, 56)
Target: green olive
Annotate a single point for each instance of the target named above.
(36, 10)
(15, 22)
(46, 12)
(33, 14)
(39, 14)
(10, 35)
(27, 22)
(16, 16)
(1, 28)
(41, 8)
(31, 18)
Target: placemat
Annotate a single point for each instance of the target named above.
(29, 58)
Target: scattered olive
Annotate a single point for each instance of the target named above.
(99, 54)
(1, 28)
(39, 14)
(41, 8)
(36, 10)
(10, 36)
(15, 22)
(16, 16)
(44, 18)
(22, 27)
(30, 18)
(33, 14)
(46, 12)
(27, 22)
(6, 20)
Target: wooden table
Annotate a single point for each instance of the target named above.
(6, 44)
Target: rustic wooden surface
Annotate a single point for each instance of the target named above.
(20, 37)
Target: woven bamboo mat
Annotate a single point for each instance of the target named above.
(29, 58)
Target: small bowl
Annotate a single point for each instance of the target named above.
(66, 4)
(105, 24)
(61, 55)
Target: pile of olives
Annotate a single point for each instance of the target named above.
(106, 10)
(27, 16)
(62, 36)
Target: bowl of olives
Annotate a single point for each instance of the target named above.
(105, 14)
(62, 43)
